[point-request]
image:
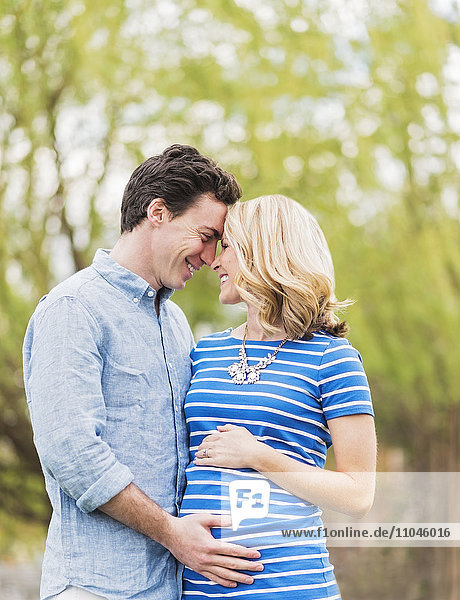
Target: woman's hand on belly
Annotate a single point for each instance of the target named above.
(231, 446)
(350, 489)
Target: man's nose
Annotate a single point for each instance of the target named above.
(215, 264)
(208, 256)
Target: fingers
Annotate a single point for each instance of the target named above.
(219, 580)
(223, 521)
(234, 550)
(221, 562)
(217, 562)
(225, 548)
(212, 437)
(209, 520)
(203, 457)
(227, 427)
(202, 452)
(232, 563)
(227, 577)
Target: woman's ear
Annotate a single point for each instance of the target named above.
(156, 212)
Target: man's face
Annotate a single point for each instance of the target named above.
(189, 241)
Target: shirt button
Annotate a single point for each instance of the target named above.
(170, 365)
(135, 299)
(150, 294)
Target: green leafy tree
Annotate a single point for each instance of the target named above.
(350, 108)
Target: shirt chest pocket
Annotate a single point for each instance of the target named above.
(131, 371)
(127, 385)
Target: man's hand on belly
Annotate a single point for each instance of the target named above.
(190, 541)
(188, 538)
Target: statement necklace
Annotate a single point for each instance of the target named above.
(241, 372)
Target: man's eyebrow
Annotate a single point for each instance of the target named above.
(215, 233)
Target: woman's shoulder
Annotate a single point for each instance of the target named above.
(336, 351)
(217, 339)
(217, 335)
(323, 341)
(325, 347)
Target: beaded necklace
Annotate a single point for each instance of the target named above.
(241, 372)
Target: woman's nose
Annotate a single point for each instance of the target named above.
(215, 264)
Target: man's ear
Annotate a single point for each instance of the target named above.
(157, 212)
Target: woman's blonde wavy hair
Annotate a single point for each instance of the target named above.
(285, 267)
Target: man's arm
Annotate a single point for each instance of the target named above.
(188, 538)
(63, 367)
(62, 375)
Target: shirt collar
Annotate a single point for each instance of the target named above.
(126, 281)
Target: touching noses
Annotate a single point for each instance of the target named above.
(215, 264)
(208, 256)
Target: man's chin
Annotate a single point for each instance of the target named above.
(178, 285)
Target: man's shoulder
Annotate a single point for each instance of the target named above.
(78, 285)
(62, 308)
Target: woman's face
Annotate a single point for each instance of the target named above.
(226, 266)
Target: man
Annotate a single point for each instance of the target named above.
(106, 368)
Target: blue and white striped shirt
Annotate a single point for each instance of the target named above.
(309, 383)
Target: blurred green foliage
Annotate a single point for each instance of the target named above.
(353, 109)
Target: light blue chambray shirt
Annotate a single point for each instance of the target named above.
(105, 381)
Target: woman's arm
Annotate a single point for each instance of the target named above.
(349, 489)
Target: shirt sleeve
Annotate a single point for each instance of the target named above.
(193, 355)
(62, 372)
(342, 381)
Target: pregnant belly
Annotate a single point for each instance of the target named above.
(255, 519)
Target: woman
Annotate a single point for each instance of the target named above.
(268, 398)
